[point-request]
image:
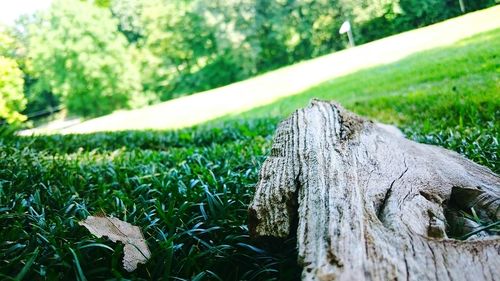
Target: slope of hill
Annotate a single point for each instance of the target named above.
(287, 81)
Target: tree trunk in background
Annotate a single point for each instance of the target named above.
(368, 204)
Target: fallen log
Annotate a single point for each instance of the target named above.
(365, 203)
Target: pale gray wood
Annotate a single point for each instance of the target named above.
(368, 204)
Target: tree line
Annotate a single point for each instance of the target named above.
(97, 56)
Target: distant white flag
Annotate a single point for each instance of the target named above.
(346, 26)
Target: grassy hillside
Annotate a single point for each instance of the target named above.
(447, 96)
(188, 190)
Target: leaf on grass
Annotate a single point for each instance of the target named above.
(135, 251)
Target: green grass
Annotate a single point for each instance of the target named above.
(189, 190)
(447, 96)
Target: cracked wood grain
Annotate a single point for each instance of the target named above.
(372, 205)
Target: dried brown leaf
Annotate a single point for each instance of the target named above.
(135, 251)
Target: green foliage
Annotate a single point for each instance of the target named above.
(13, 44)
(79, 55)
(128, 13)
(374, 19)
(12, 100)
(180, 41)
(8, 44)
(191, 46)
(101, 3)
(186, 46)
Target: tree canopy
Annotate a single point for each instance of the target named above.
(78, 53)
(12, 100)
(98, 56)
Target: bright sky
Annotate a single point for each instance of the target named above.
(10, 10)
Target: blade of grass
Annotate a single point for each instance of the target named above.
(479, 230)
(79, 270)
(28, 265)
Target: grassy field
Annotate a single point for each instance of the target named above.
(447, 96)
(188, 190)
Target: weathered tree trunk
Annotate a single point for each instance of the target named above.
(368, 204)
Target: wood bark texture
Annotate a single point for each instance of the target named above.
(368, 204)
